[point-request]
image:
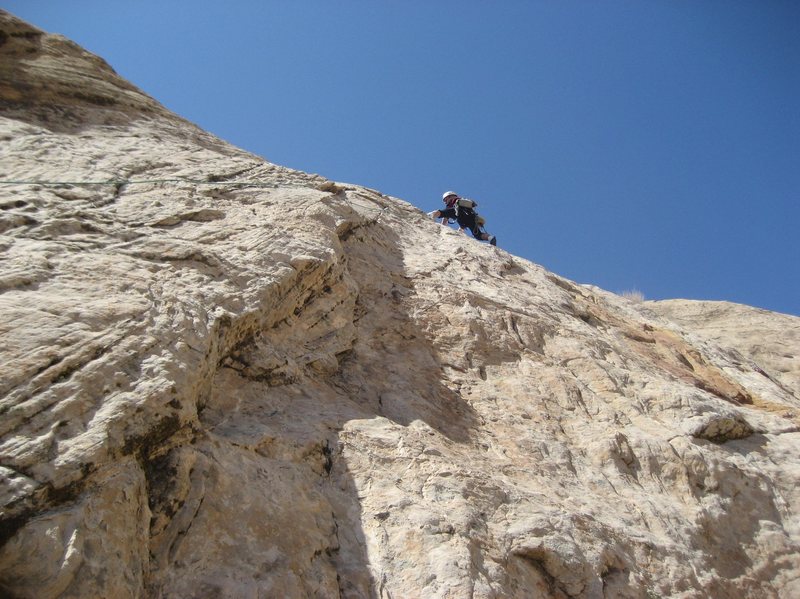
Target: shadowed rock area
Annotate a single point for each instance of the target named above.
(220, 377)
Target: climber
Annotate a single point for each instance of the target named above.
(463, 211)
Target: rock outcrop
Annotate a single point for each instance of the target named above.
(766, 341)
(225, 378)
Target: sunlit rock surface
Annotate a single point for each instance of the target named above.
(224, 378)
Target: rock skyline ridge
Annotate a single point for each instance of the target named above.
(221, 377)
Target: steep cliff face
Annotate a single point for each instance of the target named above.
(225, 378)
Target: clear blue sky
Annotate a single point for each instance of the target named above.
(628, 144)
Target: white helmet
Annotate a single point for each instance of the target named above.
(447, 194)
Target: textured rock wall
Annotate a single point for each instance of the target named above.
(221, 377)
(765, 340)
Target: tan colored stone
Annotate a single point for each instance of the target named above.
(222, 377)
(765, 341)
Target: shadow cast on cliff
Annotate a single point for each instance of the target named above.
(394, 369)
(285, 433)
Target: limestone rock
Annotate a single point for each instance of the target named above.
(222, 377)
(765, 341)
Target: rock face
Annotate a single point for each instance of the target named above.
(225, 378)
(765, 340)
